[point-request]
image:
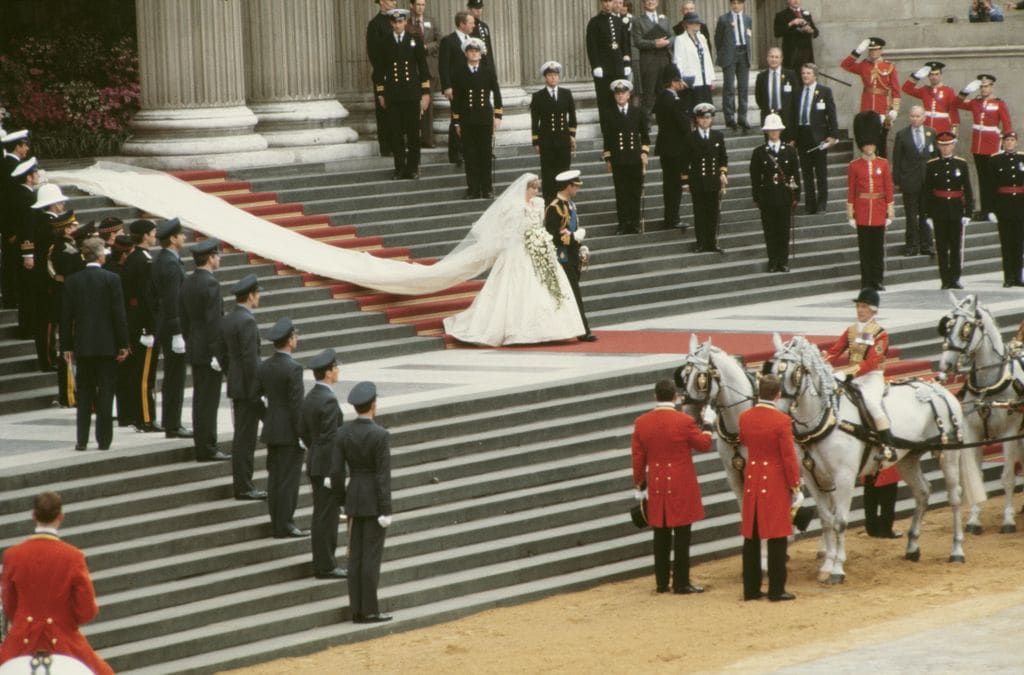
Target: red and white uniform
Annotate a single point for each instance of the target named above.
(939, 103)
(47, 595)
(881, 84)
(867, 344)
(662, 440)
(772, 471)
(869, 191)
(991, 119)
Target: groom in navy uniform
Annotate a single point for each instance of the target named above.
(562, 222)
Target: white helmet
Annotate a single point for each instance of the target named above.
(48, 195)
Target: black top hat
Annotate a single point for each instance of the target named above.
(868, 296)
(362, 393)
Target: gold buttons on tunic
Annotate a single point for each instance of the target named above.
(29, 619)
(49, 620)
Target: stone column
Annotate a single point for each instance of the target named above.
(293, 75)
(193, 83)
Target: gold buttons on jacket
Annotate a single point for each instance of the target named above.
(29, 619)
(49, 620)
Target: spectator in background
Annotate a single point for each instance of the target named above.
(673, 111)
(652, 39)
(476, 118)
(378, 31)
(693, 57)
(482, 31)
(983, 11)
(732, 42)
(450, 58)
(679, 28)
(608, 52)
(913, 148)
(817, 130)
(774, 92)
(796, 28)
(553, 121)
(426, 31)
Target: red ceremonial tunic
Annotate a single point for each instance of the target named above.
(662, 440)
(991, 118)
(869, 190)
(939, 103)
(867, 347)
(47, 595)
(772, 471)
(881, 84)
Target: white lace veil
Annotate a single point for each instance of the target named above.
(163, 196)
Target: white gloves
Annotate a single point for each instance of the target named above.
(178, 344)
(888, 222)
(930, 223)
(579, 235)
(598, 72)
(992, 218)
(965, 221)
(862, 47)
(841, 376)
(892, 115)
(639, 495)
(972, 86)
(941, 376)
(798, 499)
(921, 72)
(327, 482)
(383, 521)
(627, 71)
(147, 341)
(852, 223)
(215, 364)
(708, 416)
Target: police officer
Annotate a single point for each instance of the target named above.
(626, 145)
(608, 50)
(476, 118)
(562, 222)
(705, 176)
(321, 418)
(775, 184)
(881, 93)
(201, 310)
(241, 339)
(937, 99)
(948, 203)
(141, 363)
(166, 277)
(991, 118)
(869, 199)
(1008, 177)
(403, 89)
(553, 120)
(672, 111)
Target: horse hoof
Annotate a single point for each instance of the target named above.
(972, 529)
(836, 579)
(1007, 529)
(957, 558)
(913, 556)
(824, 577)
(820, 555)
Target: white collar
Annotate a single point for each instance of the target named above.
(92, 264)
(665, 404)
(47, 530)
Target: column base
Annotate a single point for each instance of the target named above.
(193, 131)
(289, 124)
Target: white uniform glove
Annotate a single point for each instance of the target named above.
(798, 499)
(972, 86)
(852, 223)
(888, 222)
(930, 223)
(862, 47)
(580, 234)
(708, 416)
(327, 482)
(921, 72)
(627, 71)
(841, 376)
(147, 341)
(215, 364)
(965, 221)
(941, 376)
(383, 521)
(598, 72)
(892, 115)
(178, 344)
(992, 218)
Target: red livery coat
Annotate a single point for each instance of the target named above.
(772, 471)
(991, 119)
(881, 84)
(869, 190)
(662, 440)
(47, 595)
(939, 103)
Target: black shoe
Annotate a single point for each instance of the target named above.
(773, 268)
(822, 205)
(731, 125)
(180, 432)
(336, 573)
(372, 618)
(688, 589)
(946, 287)
(784, 268)
(294, 533)
(150, 428)
(758, 596)
(927, 251)
(979, 215)
(589, 337)
(891, 534)
(681, 226)
(957, 285)
(215, 457)
(909, 252)
(781, 597)
(397, 175)
(470, 195)
(412, 175)
(252, 495)
(745, 126)
(1018, 284)
(1007, 284)
(105, 447)
(661, 589)
(80, 447)
(487, 194)
(716, 249)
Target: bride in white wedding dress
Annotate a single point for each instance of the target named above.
(526, 298)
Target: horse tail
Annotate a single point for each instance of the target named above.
(970, 478)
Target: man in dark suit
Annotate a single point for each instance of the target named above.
(318, 426)
(797, 30)
(652, 36)
(241, 339)
(817, 130)
(475, 117)
(201, 310)
(562, 222)
(732, 42)
(626, 146)
(775, 187)
(553, 120)
(402, 84)
(705, 175)
(608, 50)
(450, 57)
(365, 449)
(165, 281)
(141, 362)
(482, 30)
(94, 338)
(280, 380)
(672, 110)
(378, 31)
(911, 150)
(774, 91)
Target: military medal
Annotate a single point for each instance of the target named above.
(615, 45)
(412, 43)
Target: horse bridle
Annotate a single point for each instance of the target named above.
(967, 333)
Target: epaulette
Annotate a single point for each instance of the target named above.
(935, 159)
(556, 204)
(959, 157)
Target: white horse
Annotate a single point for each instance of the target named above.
(992, 392)
(828, 426)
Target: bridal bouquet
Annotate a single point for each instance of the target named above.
(542, 252)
